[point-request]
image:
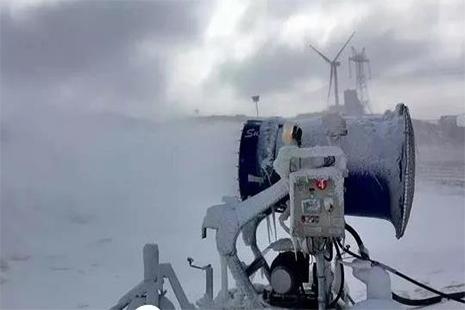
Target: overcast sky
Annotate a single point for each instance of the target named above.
(159, 59)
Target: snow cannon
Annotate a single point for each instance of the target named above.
(313, 172)
(380, 151)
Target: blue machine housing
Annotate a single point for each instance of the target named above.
(380, 150)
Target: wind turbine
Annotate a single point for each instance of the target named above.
(334, 64)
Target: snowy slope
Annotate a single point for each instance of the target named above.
(82, 194)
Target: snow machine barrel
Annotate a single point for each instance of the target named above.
(380, 150)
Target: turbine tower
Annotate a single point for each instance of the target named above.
(361, 63)
(333, 73)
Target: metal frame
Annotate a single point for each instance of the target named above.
(150, 290)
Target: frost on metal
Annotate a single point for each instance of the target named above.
(384, 146)
(267, 144)
(380, 147)
(378, 285)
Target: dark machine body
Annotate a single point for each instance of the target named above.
(381, 161)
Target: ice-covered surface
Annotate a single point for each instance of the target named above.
(380, 150)
(82, 194)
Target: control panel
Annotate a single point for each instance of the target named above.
(317, 203)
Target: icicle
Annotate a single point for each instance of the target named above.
(273, 214)
(274, 223)
(283, 217)
(268, 228)
(294, 244)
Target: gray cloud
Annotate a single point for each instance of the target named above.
(271, 69)
(275, 68)
(92, 49)
(73, 36)
(116, 55)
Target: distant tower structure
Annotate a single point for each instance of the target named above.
(362, 74)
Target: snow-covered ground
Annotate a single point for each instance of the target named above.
(80, 195)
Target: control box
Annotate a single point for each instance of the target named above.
(317, 202)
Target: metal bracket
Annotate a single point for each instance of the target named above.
(150, 290)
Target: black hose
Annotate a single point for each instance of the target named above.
(424, 302)
(415, 302)
(358, 240)
(428, 288)
(354, 234)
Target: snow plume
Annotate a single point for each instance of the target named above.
(81, 194)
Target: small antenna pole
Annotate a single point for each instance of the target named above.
(255, 99)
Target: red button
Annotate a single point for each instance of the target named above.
(321, 184)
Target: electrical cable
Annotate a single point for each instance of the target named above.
(424, 302)
(358, 240)
(411, 302)
(350, 299)
(400, 274)
(354, 234)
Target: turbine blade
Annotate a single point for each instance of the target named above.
(320, 53)
(330, 83)
(344, 46)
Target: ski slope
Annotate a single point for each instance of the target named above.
(81, 194)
